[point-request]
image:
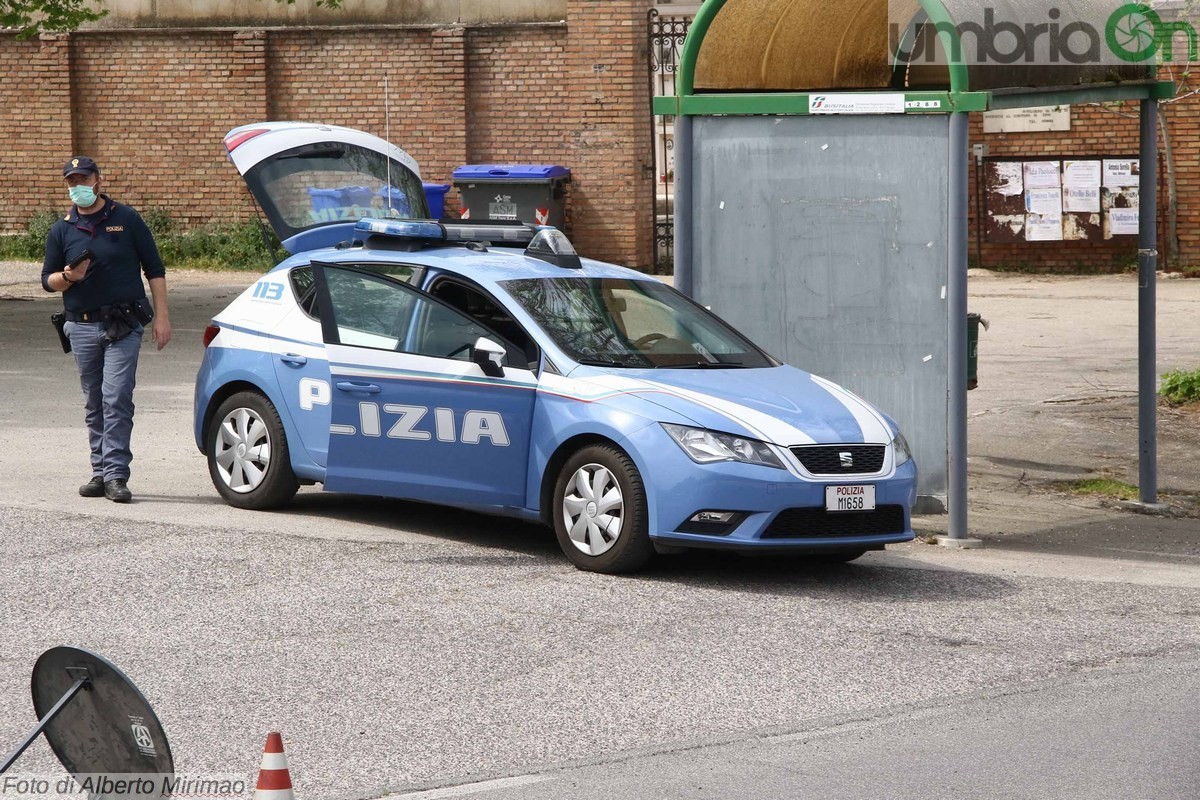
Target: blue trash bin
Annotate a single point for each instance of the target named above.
(435, 195)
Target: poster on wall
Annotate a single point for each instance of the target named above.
(1004, 184)
(1122, 221)
(1121, 172)
(1086, 199)
(1081, 186)
(1044, 227)
(1042, 175)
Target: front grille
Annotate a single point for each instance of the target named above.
(818, 523)
(826, 459)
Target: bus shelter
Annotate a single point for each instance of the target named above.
(821, 189)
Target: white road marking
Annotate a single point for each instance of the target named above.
(470, 788)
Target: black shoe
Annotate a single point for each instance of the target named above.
(117, 491)
(93, 488)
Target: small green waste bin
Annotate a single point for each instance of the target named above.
(973, 323)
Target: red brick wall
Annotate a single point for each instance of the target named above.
(152, 108)
(153, 114)
(1098, 131)
(607, 75)
(337, 77)
(36, 126)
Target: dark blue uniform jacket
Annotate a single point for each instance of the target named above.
(123, 248)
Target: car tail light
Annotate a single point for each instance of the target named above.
(233, 142)
(210, 333)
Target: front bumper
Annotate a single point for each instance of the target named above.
(677, 488)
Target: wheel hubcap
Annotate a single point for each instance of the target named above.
(593, 509)
(243, 450)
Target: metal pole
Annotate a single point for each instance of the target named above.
(1147, 276)
(956, 296)
(46, 720)
(683, 205)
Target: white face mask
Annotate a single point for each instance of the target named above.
(82, 196)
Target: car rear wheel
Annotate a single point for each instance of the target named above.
(248, 457)
(600, 514)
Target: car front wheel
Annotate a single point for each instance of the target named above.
(248, 457)
(600, 514)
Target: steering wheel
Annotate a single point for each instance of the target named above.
(649, 340)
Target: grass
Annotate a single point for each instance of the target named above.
(216, 246)
(1181, 387)
(1104, 487)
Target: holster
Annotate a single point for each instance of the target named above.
(59, 320)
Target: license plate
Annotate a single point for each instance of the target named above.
(502, 210)
(859, 497)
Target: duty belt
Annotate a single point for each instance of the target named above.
(92, 315)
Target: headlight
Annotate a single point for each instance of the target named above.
(708, 447)
(903, 451)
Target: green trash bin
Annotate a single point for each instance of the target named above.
(973, 323)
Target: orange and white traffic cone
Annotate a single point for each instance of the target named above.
(274, 780)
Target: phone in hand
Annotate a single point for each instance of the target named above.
(86, 255)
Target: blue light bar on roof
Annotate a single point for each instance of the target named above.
(497, 232)
(401, 228)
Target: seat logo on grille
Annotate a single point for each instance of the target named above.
(847, 459)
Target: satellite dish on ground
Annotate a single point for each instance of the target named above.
(94, 718)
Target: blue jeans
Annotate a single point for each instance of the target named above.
(107, 373)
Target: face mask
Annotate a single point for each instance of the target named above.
(83, 196)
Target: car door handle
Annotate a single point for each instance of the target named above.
(293, 359)
(362, 388)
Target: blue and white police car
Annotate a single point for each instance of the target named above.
(487, 366)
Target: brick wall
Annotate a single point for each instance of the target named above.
(338, 78)
(153, 115)
(607, 75)
(152, 108)
(1098, 131)
(36, 126)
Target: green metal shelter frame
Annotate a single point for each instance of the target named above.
(1056, 85)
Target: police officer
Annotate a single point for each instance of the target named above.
(106, 310)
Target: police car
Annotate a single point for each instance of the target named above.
(487, 366)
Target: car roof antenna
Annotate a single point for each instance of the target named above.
(387, 136)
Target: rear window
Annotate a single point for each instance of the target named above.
(325, 183)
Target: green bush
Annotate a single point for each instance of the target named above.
(31, 244)
(232, 245)
(1181, 387)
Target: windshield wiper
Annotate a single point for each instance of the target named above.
(706, 365)
(597, 362)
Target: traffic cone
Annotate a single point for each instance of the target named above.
(274, 780)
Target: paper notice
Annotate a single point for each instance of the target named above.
(1082, 199)
(1081, 173)
(1122, 221)
(1121, 172)
(1043, 228)
(1044, 202)
(1042, 175)
(1007, 178)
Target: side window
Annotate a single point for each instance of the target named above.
(521, 349)
(370, 311)
(304, 286)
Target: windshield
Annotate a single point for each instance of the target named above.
(318, 184)
(616, 322)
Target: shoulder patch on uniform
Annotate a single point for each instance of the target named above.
(67, 218)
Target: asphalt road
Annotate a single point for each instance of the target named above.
(403, 648)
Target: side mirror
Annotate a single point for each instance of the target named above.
(489, 356)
